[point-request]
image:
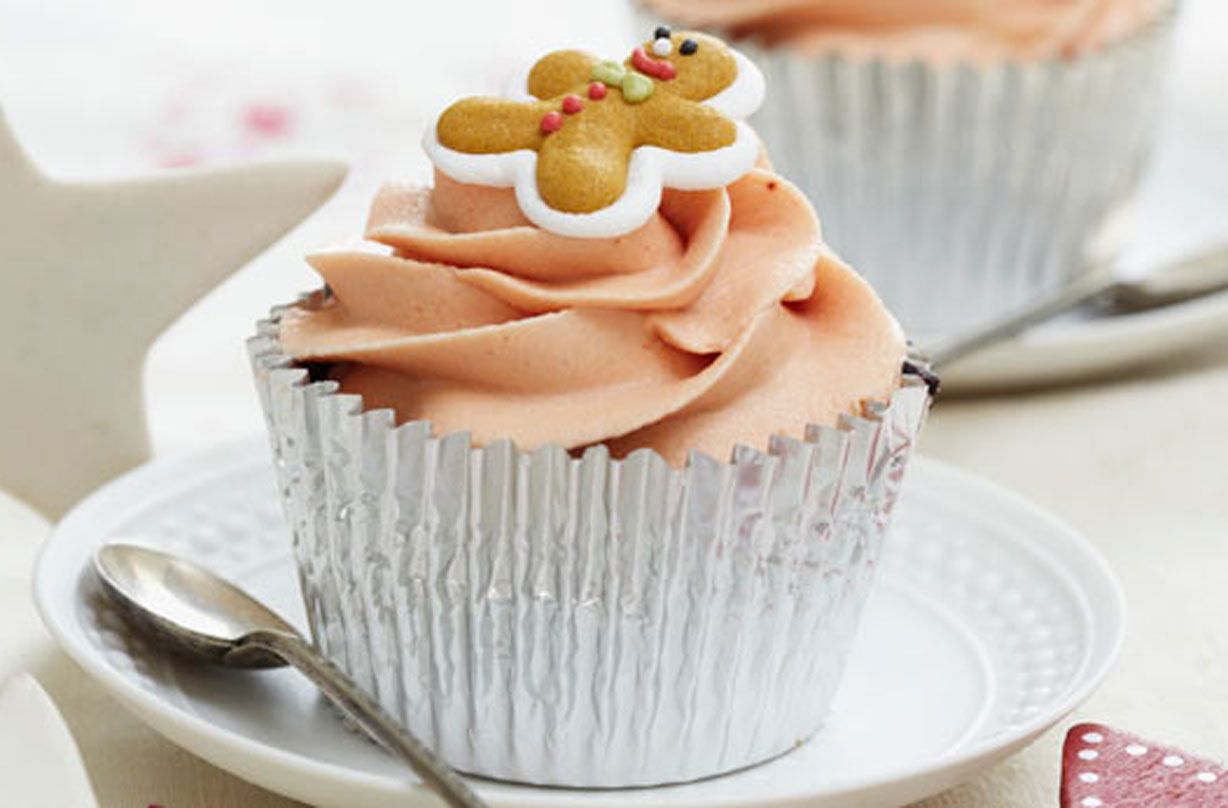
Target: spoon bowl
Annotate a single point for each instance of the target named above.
(185, 608)
(194, 613)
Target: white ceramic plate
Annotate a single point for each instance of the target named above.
(989, 623)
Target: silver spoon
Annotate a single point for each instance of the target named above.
(1186, 279)
(187, 609)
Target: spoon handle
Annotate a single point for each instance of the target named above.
(372, 718)
(1082, 290)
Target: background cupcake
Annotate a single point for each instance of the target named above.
(966, 155)
(597, 509)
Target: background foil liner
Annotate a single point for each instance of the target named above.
(544, 618)
(963, 192)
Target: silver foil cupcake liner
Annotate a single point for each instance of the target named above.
(587, 621)
(962, 192)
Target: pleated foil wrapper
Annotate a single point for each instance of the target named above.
(584, 621)
(963, 192)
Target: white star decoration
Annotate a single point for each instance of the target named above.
(39, 761)
(90, 275)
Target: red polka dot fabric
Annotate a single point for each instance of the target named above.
(1105, 768)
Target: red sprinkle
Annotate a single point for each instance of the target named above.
(657, 68)
(572, 104)
(552, 122)
(597, 90)
(268, 120)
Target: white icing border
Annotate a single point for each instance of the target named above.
(651, 168)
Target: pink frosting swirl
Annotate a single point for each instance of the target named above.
(721, 321)
(976, 31)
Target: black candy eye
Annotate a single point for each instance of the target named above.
(688, 47)
(662, 32)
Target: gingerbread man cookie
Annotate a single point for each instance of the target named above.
(589, 144)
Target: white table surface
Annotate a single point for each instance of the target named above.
(1138, 465)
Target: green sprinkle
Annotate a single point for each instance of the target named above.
(609, 72)
(637, 87)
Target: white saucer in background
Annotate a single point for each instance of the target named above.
(990, 621)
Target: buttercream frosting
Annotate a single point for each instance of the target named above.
(721, 321)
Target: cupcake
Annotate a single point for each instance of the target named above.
(968, 156)
(590, 448)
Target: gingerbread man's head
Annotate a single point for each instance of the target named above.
(593, 142)
(696, 66)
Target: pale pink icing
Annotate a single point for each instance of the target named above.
(722, 321)
(976, 31)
